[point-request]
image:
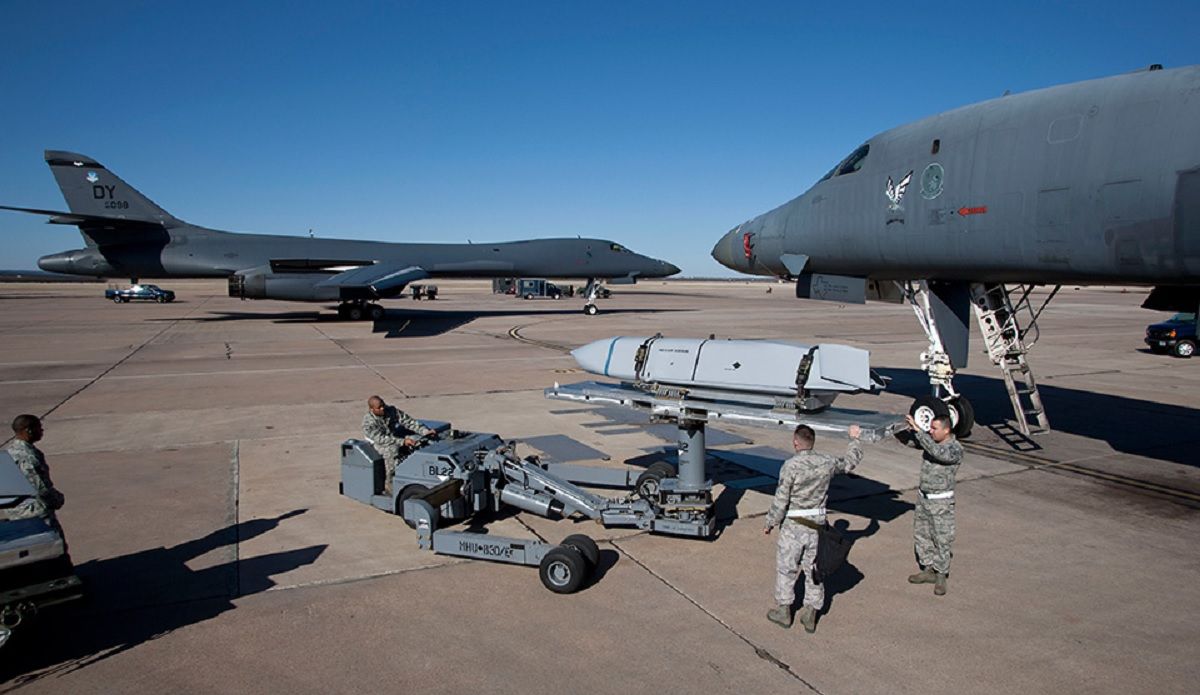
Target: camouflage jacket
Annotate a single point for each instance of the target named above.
(940, 462)
(804, 481)
(31, 462)
(391, 428)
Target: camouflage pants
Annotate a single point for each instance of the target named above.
(797, 551)
(933, 533)
(28, 509)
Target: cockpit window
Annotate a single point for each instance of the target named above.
(850, 164)
(619, 249)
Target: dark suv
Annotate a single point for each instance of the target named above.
(1176, 335)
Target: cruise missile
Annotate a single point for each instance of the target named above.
(810, 375)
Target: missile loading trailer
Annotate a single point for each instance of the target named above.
(457, 475)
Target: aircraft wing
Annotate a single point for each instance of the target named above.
(382, 279)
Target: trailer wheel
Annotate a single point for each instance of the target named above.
(529, 296)
(405, 494)
(648, 482)
(376, 312)
(966, 416)
(354, 313)
(586, 547)
(925, 408)
(563, 570)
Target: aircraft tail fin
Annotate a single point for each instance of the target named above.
(92, 190)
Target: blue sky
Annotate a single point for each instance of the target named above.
(657, 125)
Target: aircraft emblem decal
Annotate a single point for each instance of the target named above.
(92, 177)
(931, 181)
(895, 192)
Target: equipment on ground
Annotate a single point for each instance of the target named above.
(538, 288)
(147, 293)
(35, 571)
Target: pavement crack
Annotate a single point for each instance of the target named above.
(759, 651)
(361, 361)
(120, 362)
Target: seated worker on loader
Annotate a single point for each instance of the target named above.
(393, 433)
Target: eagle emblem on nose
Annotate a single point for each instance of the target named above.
(895, 191)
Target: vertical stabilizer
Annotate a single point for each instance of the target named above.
(90, 189)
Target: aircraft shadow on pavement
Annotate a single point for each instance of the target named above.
(399, 323)
(135, 598)
(1129, 425)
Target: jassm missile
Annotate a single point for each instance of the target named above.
(810, 375)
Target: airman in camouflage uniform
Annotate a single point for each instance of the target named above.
(933, 519)
(27, 430)
(391, 430)
(800, 497)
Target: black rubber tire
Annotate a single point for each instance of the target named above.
(529, 296)
(966, 417)
(1184, 349)
(586, 547)
(160, 299)
(563, 570)
(590, 309)
(647, 483)
(375, 311)
(925, 408)
(116, 300)
(354, 313)
(405, 494)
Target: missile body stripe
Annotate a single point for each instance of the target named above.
(612, 344)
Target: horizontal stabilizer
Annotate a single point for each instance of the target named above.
(82, 220)
(383, 279)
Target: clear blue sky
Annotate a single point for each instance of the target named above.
(657, 125)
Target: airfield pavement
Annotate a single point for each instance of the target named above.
(197, 446)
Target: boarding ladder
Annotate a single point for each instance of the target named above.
(1008, 342)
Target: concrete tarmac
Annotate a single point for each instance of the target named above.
(197, 446)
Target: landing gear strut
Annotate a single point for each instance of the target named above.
(592, 290)
(359, 310)
(944, 400)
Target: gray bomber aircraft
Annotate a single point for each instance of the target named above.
(1091, 183)
(128, 235)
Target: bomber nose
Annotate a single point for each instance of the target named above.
(669, 269)
(725, 253)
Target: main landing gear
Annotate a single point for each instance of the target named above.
(359, 310)
(591, 290)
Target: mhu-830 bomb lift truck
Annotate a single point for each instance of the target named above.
(454, 475)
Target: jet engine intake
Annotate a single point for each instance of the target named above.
(262, 283)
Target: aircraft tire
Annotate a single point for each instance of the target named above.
(1184, 349)
(966, 417)
(590, 309)
(405, 494)
(925, 408)
(563, 570)
(375, 311)
(354, 312)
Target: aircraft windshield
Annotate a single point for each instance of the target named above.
(850, 164)
(619, 249)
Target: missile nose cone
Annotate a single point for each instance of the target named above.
(593, 356)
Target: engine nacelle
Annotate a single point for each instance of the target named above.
(264, 283)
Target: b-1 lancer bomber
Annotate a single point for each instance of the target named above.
(1092, 183)
(128, 235)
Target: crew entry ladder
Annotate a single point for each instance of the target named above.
(1008, 342)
